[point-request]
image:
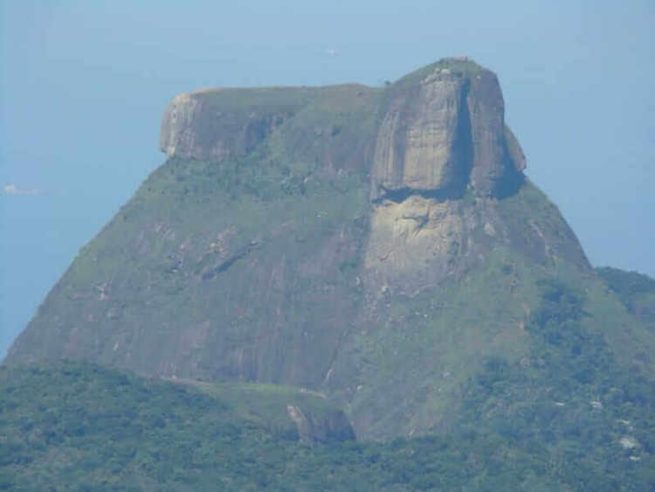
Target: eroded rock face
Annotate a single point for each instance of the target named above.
(420, 242)
(415, 243)
(177, 123)
(444, 131)
(328, 427)
(416, 143)
(441, 146)
(194, 127)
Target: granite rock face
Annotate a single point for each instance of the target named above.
(192, 127)
(443, 131)
(442, 137)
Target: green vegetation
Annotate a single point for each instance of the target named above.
(76, 426)
(635, 290)
(208, 254)
(191, 245)
(570, 395)
(413, 363)
(267, 406)
(458, 65)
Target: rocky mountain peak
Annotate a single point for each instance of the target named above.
(443, 131)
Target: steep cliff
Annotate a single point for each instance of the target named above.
(380, 245)
(443, 130)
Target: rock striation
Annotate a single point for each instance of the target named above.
(443, 131)
(193, 127)
(443, 158)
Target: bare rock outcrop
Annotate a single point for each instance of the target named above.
(210, 125)
(326, 427)
(443, 131)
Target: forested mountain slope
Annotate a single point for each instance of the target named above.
(82, 427)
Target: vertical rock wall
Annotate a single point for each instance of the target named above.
(443, 132)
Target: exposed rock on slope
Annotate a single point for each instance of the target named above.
(230, 123)
(443, 157)
(296, 413)
(381, 245)
(443, 131)
(193, 127)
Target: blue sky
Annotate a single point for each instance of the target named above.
(83, 86)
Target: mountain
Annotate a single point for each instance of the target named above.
(381, 246)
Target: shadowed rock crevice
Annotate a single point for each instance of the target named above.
(402, 194)
(509, 185)
(462, 148)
